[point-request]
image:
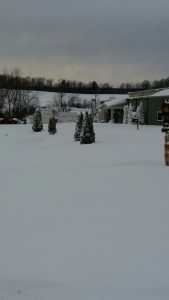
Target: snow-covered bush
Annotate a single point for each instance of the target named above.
(130, 113)
(125, 114)
(37, 121)
(140, 113)
(87, 135)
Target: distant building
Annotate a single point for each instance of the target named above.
(112, 110)
(152, 101)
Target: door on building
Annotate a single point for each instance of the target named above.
(118, 115)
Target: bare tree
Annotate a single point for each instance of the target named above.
(27, 102)
(60, 101)
(15, 102)
(74, 100)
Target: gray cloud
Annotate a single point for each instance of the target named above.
(113, 41)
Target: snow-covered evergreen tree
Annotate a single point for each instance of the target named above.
(140, 113)
(92, 133)
(86, 136)
(52, 126)
(130, 113)
(125, 114)
(78, 129)
(93, 107)
(37, 121)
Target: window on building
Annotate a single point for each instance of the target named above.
(159, 116)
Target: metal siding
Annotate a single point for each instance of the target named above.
(154, 107)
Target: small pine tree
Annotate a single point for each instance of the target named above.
(78, 130)
(87, 136)
(140, 113)
(52, 126)
(91, 128)
(37, 122)
(125, 114)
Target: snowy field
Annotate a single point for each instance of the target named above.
(47, 98)
(83, 222)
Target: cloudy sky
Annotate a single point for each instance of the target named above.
(111, 41)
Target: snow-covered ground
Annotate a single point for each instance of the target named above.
(83, 222)
(47, 98)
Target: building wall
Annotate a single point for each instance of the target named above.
(155, 105)
(151, 105)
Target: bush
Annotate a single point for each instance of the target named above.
(52, 126)
(87, 135)
(78, 130)
(37, 122)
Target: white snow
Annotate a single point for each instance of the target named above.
(119, 99)
(83, 222)
(46, 98)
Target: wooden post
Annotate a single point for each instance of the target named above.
(166, 148)
(137, 124)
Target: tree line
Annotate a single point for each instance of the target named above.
(19, 95)
(14, 79)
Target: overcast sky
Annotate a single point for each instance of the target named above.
(111, 41)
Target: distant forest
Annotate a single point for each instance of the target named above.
(14, 80)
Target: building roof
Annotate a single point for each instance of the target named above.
(117, 101)
(163, 93)
(157, 93)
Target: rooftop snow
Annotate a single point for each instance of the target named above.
(117, 101)
(162, 93)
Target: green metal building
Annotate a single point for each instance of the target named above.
(152, 101)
